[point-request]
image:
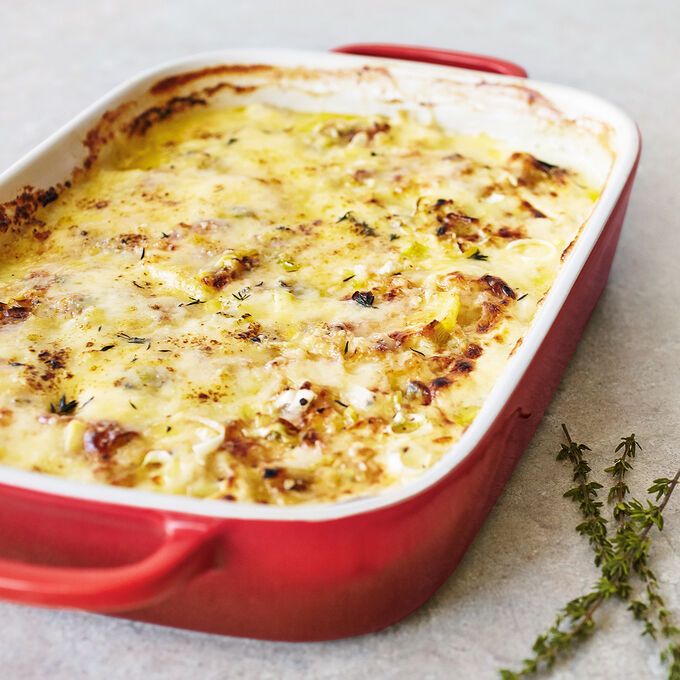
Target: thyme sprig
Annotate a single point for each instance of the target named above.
(618, 470)
(593, 526)
(623, 560)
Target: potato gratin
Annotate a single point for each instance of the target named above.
(256, 304)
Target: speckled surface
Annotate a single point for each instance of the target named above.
(57, 57)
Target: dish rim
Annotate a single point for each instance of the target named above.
(628, 140)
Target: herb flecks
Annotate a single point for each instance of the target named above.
(361, 227)
(106, 348)
(241, 295)
(623, 560)
(192, 301)
(85, 403)
(132, 339)
(363, 298)
(477, 255)
(64, 406)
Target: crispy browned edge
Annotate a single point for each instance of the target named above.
(21, 210)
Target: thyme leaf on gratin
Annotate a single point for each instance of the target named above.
(132, 339)
(241, 295)
(64, 406)
(361, 227)
(363, 298)
(193, 301)
(622, 557)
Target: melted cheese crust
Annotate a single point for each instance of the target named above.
(257, 304)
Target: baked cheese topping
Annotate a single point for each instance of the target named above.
(256, 304)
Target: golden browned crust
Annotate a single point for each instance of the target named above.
(267, 305)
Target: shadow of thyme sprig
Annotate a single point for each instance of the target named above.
(620, 557)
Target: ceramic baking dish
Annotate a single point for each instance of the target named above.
(317, 572)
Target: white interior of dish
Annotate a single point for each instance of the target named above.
(557, 124)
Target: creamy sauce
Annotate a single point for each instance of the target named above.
(263, 305)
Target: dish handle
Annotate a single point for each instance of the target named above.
(433, 55)
(186, 548)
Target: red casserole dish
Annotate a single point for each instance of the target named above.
(310, 572)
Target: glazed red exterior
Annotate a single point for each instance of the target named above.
(287, 580)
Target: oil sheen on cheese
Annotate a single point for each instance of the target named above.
(260, 305)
